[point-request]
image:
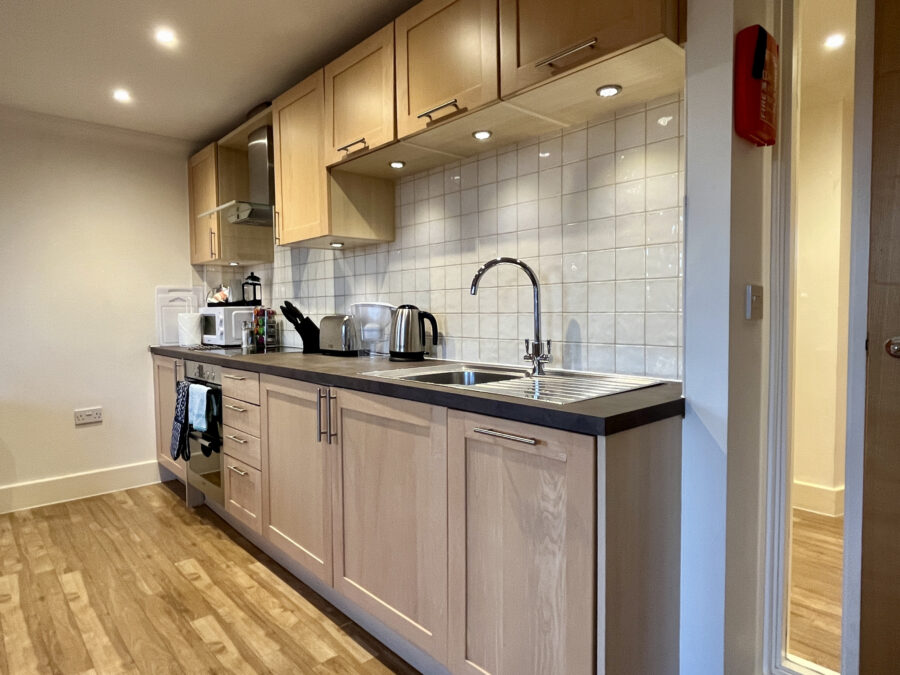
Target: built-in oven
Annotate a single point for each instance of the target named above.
(205, 466)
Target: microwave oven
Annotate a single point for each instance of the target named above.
(222, 325)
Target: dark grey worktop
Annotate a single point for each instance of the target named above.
(598, 416)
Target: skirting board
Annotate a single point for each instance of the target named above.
(27, 495)
(822, 499)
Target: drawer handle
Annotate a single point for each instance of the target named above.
(567, 52)
(236, 439)
(428, 113)
(237, 470)
(508, 437)
(235, 408)
(319, 398)
(346, 148)
(234, 377)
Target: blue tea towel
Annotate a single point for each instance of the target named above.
(197, 406)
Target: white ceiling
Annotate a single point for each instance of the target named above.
(64, 57)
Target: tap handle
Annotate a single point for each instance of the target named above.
(528, 355)
(548, 349)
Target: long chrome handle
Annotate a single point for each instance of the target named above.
(237, 470)
(346, 148)
(236, 439)
(508, 437)
(331, 434)
(892, 347)
(235, 408)
(566, 52)
(234, 377)
(428, 113)
(277, 230)
(319, 398)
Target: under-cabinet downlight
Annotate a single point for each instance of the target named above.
(337, 244)
(397, 164)
(608, 90)
(482, 135)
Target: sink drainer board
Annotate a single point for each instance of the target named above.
(559, 388)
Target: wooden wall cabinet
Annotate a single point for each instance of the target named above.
(446, 60)
(313, 206)
(218, 174)
(359, 98)
(522, 548)
(539, 39)
(166, 372)
(390, 513)
(203, 195)
(297, 474)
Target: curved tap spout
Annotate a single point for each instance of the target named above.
(535, 351)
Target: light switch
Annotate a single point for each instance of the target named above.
(753, 307)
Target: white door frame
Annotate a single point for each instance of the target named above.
(778, 489)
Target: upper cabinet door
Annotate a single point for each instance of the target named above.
(203, 196)
(359, 97)
(301, 198)
(446, 60)
(540, 39)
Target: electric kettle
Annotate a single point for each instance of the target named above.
(408, 333)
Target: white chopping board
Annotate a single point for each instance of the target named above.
(170, 302)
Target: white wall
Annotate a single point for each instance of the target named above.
(91, 219)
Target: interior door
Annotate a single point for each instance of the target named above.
(880, 591)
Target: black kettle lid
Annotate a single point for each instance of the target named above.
(407, 307)
(252, 279)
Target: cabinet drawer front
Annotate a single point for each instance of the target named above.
(243, 495)
(241, 385)
(242, 446)
(242, 416)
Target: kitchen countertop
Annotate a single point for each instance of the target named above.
(602, 416)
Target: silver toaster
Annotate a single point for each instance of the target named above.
(339, 335)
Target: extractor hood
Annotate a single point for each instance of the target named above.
(261, 168)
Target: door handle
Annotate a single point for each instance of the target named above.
(319, 398)
(277, 231)
(237, 470)
(346, 148)
(331, 434)
(233, 377)
(508, 437)
(892, 347)
(235, 408)
(428, 113)
(236, 439)
(566, 52)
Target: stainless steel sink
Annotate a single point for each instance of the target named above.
(558, 387)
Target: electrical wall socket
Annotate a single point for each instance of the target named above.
(88, 416)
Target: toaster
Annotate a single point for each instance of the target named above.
(339, 335)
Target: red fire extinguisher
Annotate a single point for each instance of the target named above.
(755, 86)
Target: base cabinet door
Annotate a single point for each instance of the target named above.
(390, 514)
(297, 471)
(522, 554)
(166, 372)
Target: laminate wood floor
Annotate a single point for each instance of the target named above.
(134, 582)
(817, 548)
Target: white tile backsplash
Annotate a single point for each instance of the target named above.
(597, 213)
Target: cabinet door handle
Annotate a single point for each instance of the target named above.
(235, 408)
(211, 254)
(346, 148)
(236, 439)
(234, 377)
(319, 398)
(428, 113)
(331, 434)
(277, 232)
(567, 52)
(237, 470)
(508, 437)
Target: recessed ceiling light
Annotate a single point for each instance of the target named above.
(664, 120)
(166, 36)
(482, 135)
(608, 90)
(835, 40)
(337, 244)
(234, 264)
(397, 164)
(122, 95)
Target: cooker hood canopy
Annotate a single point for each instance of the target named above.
(260, 162)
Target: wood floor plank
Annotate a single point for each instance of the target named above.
(17, 645)
(221, 646)
(814, 630)
(97, 642)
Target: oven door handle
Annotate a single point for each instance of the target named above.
(202, 441)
